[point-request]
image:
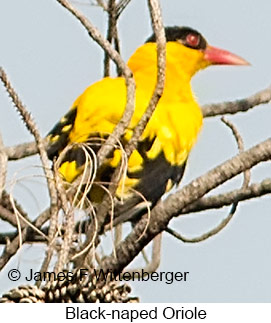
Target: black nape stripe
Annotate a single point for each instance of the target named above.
(176, 33)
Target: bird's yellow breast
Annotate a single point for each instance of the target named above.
(174, 124)
(175, 128)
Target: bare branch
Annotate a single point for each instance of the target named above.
(7, 211)
(240, 145)
(218, 201)
(253, 191)
(112, 34)
(158, 28)
(8, 216)
(31, 237)
(232, 107)
(171, 207)
(102, 4)
(11, 248)
(21, 151)
(190, 199)
(235, 132)
(30, 124)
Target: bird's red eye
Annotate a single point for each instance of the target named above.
(192, 40)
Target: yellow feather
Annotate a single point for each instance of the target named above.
(54, 138)
(174, 124)
(66, 128)
(69, 171)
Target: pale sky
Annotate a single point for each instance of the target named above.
(51, 60)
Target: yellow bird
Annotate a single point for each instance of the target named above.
(159, 161)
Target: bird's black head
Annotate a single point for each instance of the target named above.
(186, 35)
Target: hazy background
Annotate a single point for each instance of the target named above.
(50, 60)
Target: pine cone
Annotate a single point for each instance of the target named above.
(75, 290)
(87, 290)
(24, 294)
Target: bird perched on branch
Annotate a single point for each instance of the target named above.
(159, 160)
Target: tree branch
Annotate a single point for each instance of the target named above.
(215, 202)
(171, 207)
(112, 34)
(158, 28)
(31, 126)
(13, 245)
(232, 107)
(209, 110)
(21, 151)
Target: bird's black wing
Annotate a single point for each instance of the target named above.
(59, 135)
(155, 179)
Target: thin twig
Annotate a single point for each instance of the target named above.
(208, 234)
(223, 224)
(12, 247)
(112, 34)
(122, 4)
(126, 73)
(118, 234)
(102, 4)
(30, 124)
(8, 210)
(3, 167)
(31, 237)
(158, 28)
(241, 147)
(156, 254)
(20, 218)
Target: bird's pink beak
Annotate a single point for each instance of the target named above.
(222, 57)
